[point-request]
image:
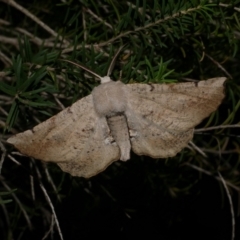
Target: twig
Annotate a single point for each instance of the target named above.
(178, 14)
(2, 124)
(3, 112)
(84, 26)
(38, 41)
(53, 210)
(4, 22)
(33, 17)
(219, 148)
(9, 40)
(108, 193)
(219, 66)
(32, 187)
(231, 205)
(58, 102)
(6, 60)
(222, 152)
(97, 17)
(50, 229)
(210, 174)
(139, 9)
(49, 202)
(229, 5)
(14, 160)
(198, 149)
(32, 183)
(216, 127)
(19, 203)
(2, 74)
(49, 178)
(3, 149)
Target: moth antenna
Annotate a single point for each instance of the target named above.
(85, 68)
(110, 68)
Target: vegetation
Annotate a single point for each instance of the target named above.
(165, 41)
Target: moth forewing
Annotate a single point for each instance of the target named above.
(163, 116)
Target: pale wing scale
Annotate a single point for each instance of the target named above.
(153, 140)
(177, 106)
(96, 156)
(163, 115)
(68, 138)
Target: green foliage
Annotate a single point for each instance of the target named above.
(28, 82)
(165, 41)
(3, 201)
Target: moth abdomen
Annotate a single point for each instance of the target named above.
(119, 131)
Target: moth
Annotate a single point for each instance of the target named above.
(156, 120)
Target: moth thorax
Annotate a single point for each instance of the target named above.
(109, 99)
(105, 79)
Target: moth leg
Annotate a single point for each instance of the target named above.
(103, 128)
(132, 133)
